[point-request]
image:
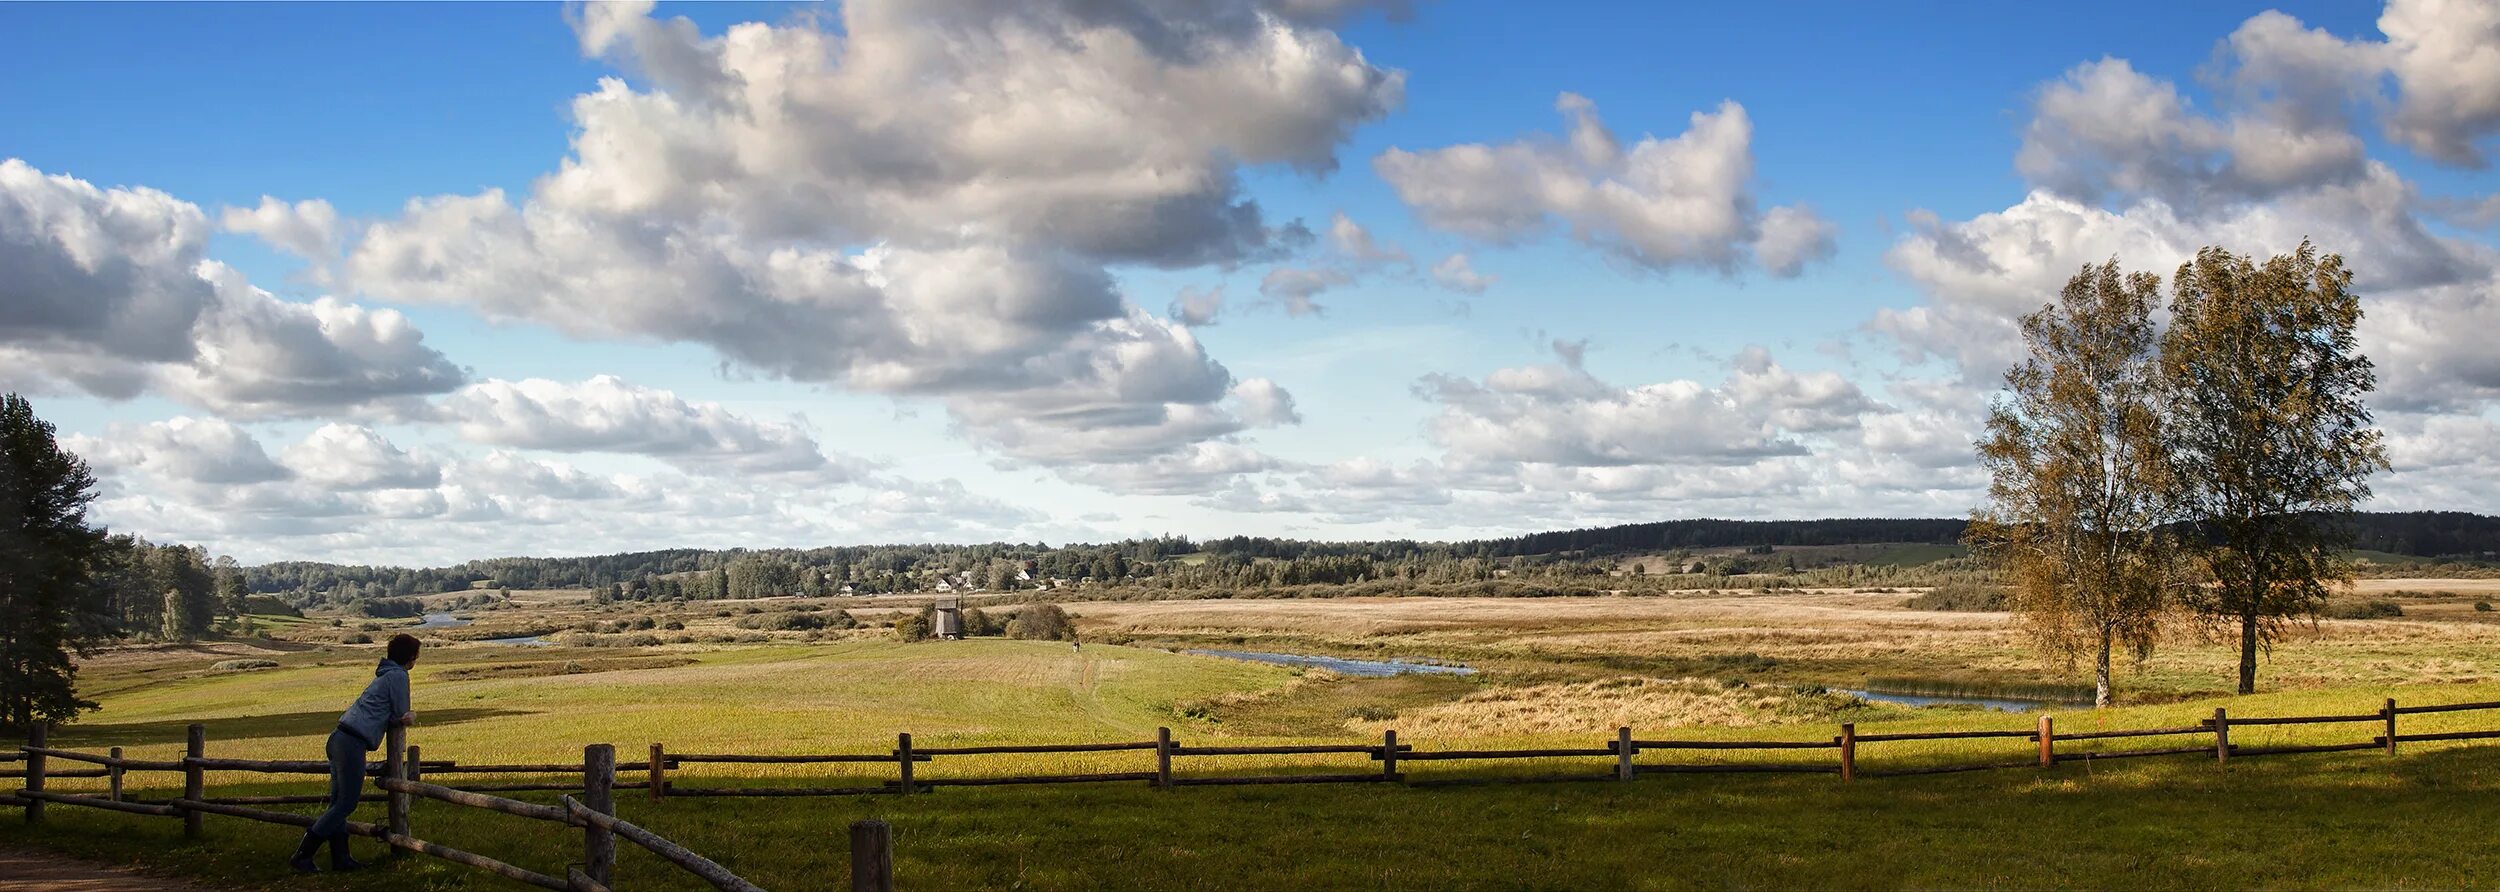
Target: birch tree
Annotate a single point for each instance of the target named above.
(2272, 443)
(2079, 494)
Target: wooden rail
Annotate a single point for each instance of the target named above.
(402, 765)
(596, 778)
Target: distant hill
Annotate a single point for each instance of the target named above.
(2427, 534)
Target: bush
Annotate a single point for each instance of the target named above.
(643, 640)
(243, 665)
(2482, 607)
(673, 626)
(1042, 622)
(2375, 608)
(912, 627)
(1960, 597)
(357, 638)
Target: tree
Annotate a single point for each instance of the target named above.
(2264, 383)
(50, 606)
(1042, 622)
(2079, 493)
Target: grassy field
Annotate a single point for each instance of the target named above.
(1557, 672)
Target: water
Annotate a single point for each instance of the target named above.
(2000, 704)
(440, 621)
(526, 641)
(1339, 665)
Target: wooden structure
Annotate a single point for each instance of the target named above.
(949, 622)
(598, 775)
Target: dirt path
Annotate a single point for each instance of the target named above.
(27, 870)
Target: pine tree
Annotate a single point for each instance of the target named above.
(50, 606)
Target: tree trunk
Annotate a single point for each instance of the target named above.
(2100, 673)
(2248, 652)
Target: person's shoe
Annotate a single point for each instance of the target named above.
(302, 860)
(339, 861)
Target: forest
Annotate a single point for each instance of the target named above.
(1170, 561)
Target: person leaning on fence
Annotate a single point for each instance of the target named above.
(361, 730)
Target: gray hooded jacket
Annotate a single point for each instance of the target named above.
(384, 699)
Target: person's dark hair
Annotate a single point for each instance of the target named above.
(404, 649)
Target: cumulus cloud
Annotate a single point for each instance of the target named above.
(2445, 55)
(1110, 130)
(921, 200)
(205, 451)
(607, 414)
(346, 456)
(1356, 243)
(1559, 414)
(310, 229)
(1659, 204)
(1197, 307)
(1294, 287)
(109, 291)
(1457, 274)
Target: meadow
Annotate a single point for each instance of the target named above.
(1554, 672)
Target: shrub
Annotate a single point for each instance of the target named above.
(673, 626)
(243, 665)
(1960, 597)
(1042, 622)
(2482, 607)
(912, 627)
(2375, 608)
(642, 640)
(357, 638)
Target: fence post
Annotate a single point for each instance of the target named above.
(1389, 756)
(194, 778)
(599, 794)
(395, 767)
(1623, 753)
(113, 775)
(1848, 751)
(2222, 736)
(902, 758)
(1163, 758)
(659, 773)
(36, 737)
(872, 856)
(2390, 712)
(2048, 742)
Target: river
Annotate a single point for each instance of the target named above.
(1339, 665)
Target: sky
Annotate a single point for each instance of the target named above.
(416, 284)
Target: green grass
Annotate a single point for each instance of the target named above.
(2328, 820)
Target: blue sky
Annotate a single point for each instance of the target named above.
(1640, 353)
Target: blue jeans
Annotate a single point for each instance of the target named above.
(347, 783)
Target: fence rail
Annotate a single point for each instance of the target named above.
(400, 769)
(590, 785)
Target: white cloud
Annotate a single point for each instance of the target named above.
(354, 457)
(608, 414)
(1660, 204)
(1355, 242)
(1793, 237)
(2446, 60)
(109, 291)
(1457, 274)
(1294, 287)
(308, 229)
(1196, 307)
(1559, 414)
(921, 201)
(188, 450)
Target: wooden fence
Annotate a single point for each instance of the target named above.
(661, 776)
(400, 772)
